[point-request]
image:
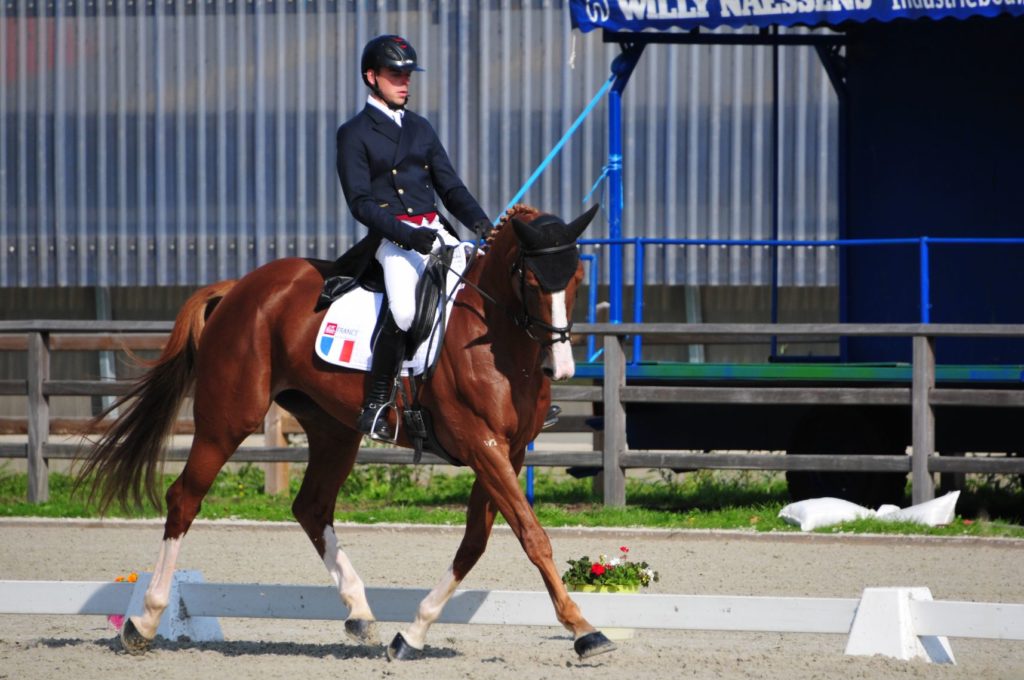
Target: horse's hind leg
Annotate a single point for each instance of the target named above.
(479, 521)
(332, 453)
(184, 498)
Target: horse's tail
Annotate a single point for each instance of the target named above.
(123, 465)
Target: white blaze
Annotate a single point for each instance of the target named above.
(562, 364)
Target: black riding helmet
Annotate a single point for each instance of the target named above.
(388, 51)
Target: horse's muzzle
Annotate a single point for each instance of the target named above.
(558, 363)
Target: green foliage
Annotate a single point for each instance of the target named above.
(427, 495)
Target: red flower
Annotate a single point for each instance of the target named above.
(623, 548)
(596, 569)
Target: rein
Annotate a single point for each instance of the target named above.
(524, 319)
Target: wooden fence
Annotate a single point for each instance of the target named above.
(39, 339)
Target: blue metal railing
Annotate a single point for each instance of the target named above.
(923, 243)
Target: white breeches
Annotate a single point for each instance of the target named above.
(402, 270)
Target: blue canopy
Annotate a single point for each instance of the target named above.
(662, 15)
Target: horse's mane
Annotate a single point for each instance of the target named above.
(521, 211)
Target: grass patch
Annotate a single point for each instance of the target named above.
(396, 493)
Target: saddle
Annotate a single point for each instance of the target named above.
(426, 329)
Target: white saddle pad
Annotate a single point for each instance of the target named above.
(345, 333)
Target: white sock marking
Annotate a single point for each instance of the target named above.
(158, 593)
(350, 586)
(430, 609)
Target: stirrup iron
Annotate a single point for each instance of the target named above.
(382, 412)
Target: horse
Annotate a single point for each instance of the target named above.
(241, 344)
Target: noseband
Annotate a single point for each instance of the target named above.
(527, 321)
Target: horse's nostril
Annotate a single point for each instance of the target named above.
(548, 371)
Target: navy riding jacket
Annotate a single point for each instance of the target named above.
(387, 172)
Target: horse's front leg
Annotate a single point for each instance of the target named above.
(499, 479)
(498, 476)
(479, 520)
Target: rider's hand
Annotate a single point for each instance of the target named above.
(482, 228)
(421, 239)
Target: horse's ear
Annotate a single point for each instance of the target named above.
(577, 226)
(522, 229)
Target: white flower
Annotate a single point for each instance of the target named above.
(615, 562)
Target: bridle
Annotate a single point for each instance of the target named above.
(527, 321)
(523, 319)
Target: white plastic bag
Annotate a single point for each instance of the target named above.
(822, 512)
(933, 513)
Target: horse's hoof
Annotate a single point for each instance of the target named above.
(593, 644)
(400, 650)
(132, 640)
(363, 631)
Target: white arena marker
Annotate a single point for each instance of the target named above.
(176, 621)
(884, 625)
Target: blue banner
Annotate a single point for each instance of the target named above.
(661, 15)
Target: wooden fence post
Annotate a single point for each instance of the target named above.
(275, 479)
(38, 417)
(923, 382)
(614, 484)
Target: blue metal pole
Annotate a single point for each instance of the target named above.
(622, 68)
(638, 295)
(591, 300)
(926, 304)
(615, 202)
(529, 478)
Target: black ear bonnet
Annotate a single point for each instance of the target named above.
(548, 247)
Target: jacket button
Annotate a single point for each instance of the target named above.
(401, 191)
(394, 171)
(408, 210)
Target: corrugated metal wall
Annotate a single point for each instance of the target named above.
(178, 142)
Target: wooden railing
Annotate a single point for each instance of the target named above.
(38, 339)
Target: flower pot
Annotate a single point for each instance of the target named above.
(610, 633)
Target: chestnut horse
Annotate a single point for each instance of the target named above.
(244, 344)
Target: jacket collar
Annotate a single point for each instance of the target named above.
(402, 136)
(382, 123)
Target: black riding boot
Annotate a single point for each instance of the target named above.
(387, 359)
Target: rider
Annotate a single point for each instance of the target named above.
(391, 165)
